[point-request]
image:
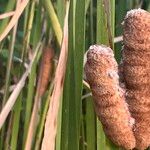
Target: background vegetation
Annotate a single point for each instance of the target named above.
(41, 25)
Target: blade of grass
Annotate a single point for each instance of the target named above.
(26, 15)
(68, 93)
(79, 52)
(91, 23)
(42, 119)
(29, 100)
(90, 125)
(8, 133)
(107, 9)
(82, 142)
(16, 119)
(33, 123)
(58, 136)
(78, 72)
(37, 30)
(112, 20)
(101, 38)
(28, 29)
(61, 11)
(87, 4)
(54, 20)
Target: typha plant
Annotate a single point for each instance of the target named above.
(136, 72)
(46, 66)
(109, 100)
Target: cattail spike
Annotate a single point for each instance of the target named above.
(45, 69)
(136, 71)
(102, 74)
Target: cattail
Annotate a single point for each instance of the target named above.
(136, 72)
(45, 69)
(102, 74)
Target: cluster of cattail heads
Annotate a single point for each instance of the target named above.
(124, 111)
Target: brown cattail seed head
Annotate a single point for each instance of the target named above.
(102, 74)
(136, 72)
(45, 69)
(137, 30)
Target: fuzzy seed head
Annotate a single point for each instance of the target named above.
(137, 29)
(102, 74)
(46, 66)
(136, 72)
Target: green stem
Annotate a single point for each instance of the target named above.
(54, 20)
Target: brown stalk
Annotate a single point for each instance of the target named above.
(50, 130)
(43, 80)
(5, 15)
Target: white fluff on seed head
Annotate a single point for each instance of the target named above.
(101, 49)
(134, 12)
